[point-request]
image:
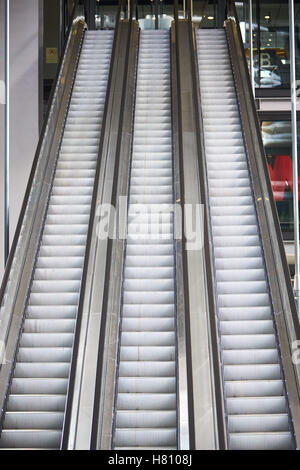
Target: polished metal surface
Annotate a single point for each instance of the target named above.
(92, 401)
(183, 386)
(36, 402)
(196, 349)
(256, 402)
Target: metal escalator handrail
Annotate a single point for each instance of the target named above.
(71, 381)
(286, 318)
(111, 304)
(68, 439)
(206, 285)
(184, 375)
(207, 243)
(185, 408)
(18, 273)
(231, 12)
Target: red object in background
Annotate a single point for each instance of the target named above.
(282, 176)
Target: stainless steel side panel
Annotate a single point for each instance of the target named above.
(91, 411)
(194, 296)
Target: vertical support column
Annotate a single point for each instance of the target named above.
(258, 40)
(90, 8)
(61, 26)
(25, 113)
(294, 146)
(2, 127)
(188, 10)
(221, 5)
(251, 46)
(156, 13)
(7, 133)
(26, 85)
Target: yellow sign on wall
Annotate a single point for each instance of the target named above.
(51, 55)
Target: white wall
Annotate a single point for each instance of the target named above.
(25, 89)
(2, 76)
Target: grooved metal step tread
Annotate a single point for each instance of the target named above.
(145, 414)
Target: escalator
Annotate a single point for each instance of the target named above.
(37, 396)
(145, 415)
(146, 339)
(256, 401)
